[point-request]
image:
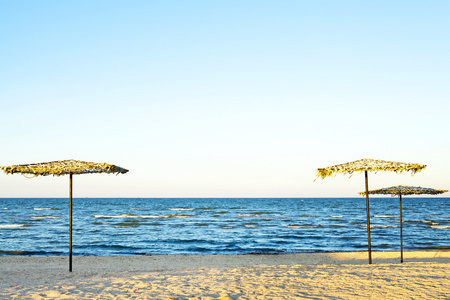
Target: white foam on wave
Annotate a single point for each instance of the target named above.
(251, 216)
(301, 226)
(385, 216)
(336, 216)
(123, 216)
(11, 226)
(127, 216)
(45, 217)
(380, 226)
(42, 208)
(440, 227)
(430, 222)
(181, 209)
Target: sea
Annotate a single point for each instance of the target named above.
(193, 226)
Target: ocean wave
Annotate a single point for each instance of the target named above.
(124, 216)
(44, 217)
(440, 227)
(165, 226)
(429, 222)
(434, 248)
(29, 253)
(142, 216)
(380, 226)
(45, 208)
(10, 226)
(126, 225)
(2, 252)
(301, 226)
(421, 223)
(175, 216)
(250, 216)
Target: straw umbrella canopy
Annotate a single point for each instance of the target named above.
(404, 190)
(369, 165)
(64, 167)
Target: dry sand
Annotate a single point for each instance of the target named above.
(422, 275)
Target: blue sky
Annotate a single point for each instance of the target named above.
(223, 98)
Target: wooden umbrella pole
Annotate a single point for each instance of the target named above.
(401, 230)
(368, 216)
(70, 225)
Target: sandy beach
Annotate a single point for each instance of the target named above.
(422, 275)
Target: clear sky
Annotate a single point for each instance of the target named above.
(223, 98)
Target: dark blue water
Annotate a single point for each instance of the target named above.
(135, 226)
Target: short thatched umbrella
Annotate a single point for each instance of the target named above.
(64, 167)
(365, 165)
(404, 190)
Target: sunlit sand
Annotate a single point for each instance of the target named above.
(423, 275)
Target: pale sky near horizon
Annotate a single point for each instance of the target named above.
(224, 98)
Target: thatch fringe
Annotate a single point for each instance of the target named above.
(405, 190)
(367, 164)
(63, 167)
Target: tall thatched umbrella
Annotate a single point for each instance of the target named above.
(404, 190)
(365, 165)
(64, 167)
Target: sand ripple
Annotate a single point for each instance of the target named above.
(410, 280)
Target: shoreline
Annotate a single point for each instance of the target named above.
(423, 274)
(183, 261)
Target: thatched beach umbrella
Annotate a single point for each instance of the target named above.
(366, 165)
(404, 190)
(64, 167)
